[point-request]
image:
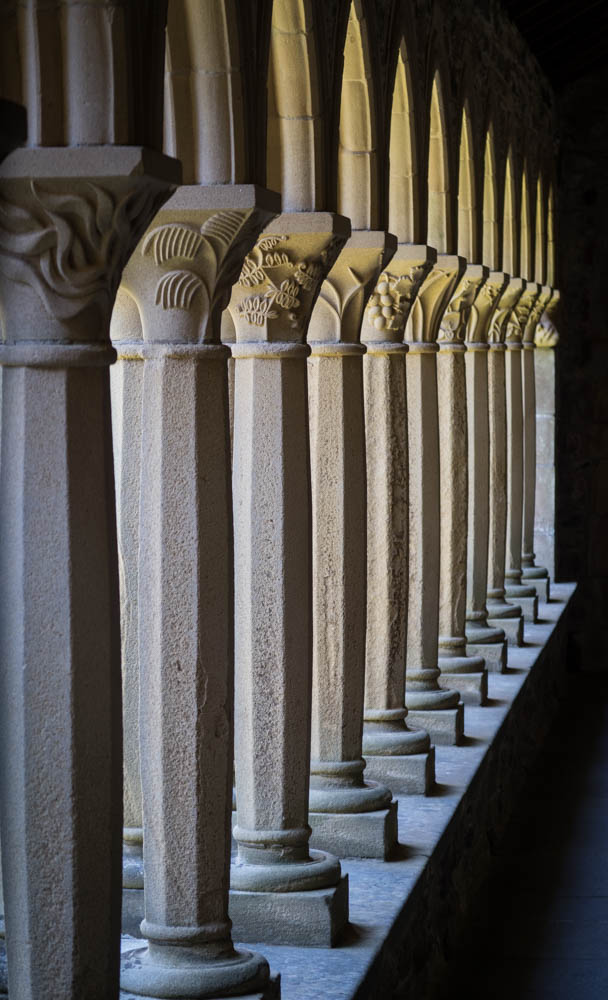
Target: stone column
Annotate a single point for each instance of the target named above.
(459, 670)
(349, 816)
(546, 339)
(281, 889)
(126, 391)
(69, 218)
(395, 754)
(525, 596)
(532, 575)
(483, 640)
(501, 614)
(180, 277)
(438, 711)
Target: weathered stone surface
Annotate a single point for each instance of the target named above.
(313, 919)
(445, 726)
(371, 834)
(494, 653)
(413, 774)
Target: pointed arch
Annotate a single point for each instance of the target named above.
(467, 222)
(510, 245)
(404, 212)
(438, 213)
(526, 264)
(491, 248)
(551, 264)
(294, 141)
(357, 152)
(204, 119)
(540, 236)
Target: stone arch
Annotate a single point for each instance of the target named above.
(357, 152)
(491, 248)
(510, 228)
(526, 236)
(540, 235)
(294, 141)
(111, 96)
(467, 207)
(551, 264)
(404, 206)
(204, 119)
(439, 227)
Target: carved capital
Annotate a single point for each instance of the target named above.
(457, 316)
(390, 304)
(433, 298)
(484, 307)
(510, 297)
(183, 269)
(546, 333)
(65, 238)
(281, 278)
(520, 315)
(344, 294)
(536, 312)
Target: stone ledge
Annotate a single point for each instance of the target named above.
(407, 913)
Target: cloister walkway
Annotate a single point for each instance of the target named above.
(540, 931)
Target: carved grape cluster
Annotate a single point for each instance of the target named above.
(393, 293)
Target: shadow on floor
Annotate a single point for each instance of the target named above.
(539, 929)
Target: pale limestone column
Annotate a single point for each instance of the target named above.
(348, 815)
(395, 754)
(438, 711)
(69, 219)
(515, 590)
(180, 276)
(271, 307)
(466, 672)
(533, 575)
(481, 638)
(126, 379)
(228, 336)
(501, 613)
(546, 339)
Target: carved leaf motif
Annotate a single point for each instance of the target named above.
(168, 242)
(275, 259)
(252, 273)
(288, 295)
(546, 334)
(257, 309)
(223, 226)
(270, 242)
(71, 248)
(176, 290)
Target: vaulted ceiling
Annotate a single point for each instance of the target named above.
(568, 37)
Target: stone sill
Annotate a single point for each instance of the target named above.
(400, 909)
(406, 913)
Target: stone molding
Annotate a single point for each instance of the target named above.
(510, 297)
(458, 314)
(435, 292)
(390, 304)
(546, 334)
(484, 308)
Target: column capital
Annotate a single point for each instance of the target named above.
(546, 334)
(281, 278)
(455, 320)
(183, 269)
(396, 290)
(520, 315)
(339, 308)
(484, 308)
(535, 314)
(508, 300)
(433, 297)
(69, 220)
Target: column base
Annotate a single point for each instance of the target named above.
(355, 835)
(314, 919)
(411, 775)
(444, 726)
(494, 653)
(541, 584)
(513, 629)
(528, 605)
(147, 972)
(271, 992)
(132, 911)
(473, 687)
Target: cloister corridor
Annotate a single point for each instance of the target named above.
(303, 499)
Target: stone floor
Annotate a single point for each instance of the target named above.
(540, 928)
(382, 892)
